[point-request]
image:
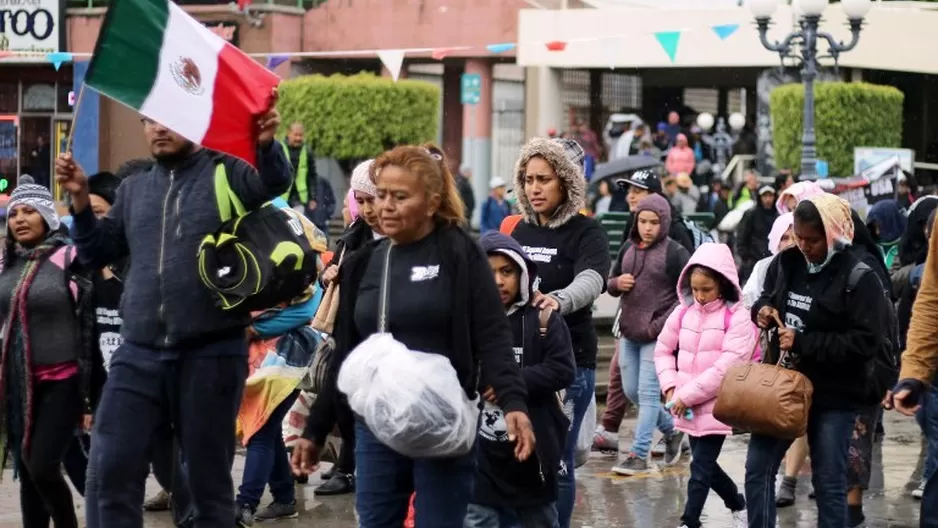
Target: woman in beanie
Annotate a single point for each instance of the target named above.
(340, 479)
(46, 358)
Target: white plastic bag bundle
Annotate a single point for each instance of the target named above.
(411, 401)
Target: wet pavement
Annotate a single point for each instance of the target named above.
(609, 501)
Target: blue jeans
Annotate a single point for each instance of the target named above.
(705, 475)
(640, 385)
(829, 432)
(198, 395)
(929, 510)
(480, 516)
(927, 418)
(385, 480)
(575, 403)
(267, 461)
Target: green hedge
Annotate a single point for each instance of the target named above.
(360, 116)
(847, 115)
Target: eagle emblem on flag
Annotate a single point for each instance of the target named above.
(187, 75)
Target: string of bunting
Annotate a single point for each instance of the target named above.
(393, 59)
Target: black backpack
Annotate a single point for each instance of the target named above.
(883, 370)
(257, 259)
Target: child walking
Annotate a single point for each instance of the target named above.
(709, 332)
(508, 493)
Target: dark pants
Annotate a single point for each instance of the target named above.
(706, 474)
(385, 480)
(346, 423)
(267, 461)
(44, 494)
(199, 394)
(166, 461)
(928, 518)
(829, 432)
(76, 461)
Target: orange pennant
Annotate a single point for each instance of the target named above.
(556, 45)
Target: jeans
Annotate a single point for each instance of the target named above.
(385, 480)
(927, 418)
(480, 516)
(267, 461)
(575, 403)
(198, 393)
(640, 384)
(829, 432)
(706, 474)
(928, 516)
(44, 494)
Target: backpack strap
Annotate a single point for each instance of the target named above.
(680, 317)
(225, 197)
(727, 317)
(509, 224)
(543, 320)
(853, 279)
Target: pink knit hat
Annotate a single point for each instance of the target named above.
(352, 204)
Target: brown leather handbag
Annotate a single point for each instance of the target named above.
(765, 399)
(324, 321)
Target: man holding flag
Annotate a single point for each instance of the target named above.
(207, 110)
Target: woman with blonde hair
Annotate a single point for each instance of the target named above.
(430, 286)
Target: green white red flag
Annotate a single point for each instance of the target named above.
(155, 58)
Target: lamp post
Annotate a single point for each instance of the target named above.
(721, 141)
(802, 45)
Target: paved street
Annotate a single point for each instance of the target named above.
(609, 501)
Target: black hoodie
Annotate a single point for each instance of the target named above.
(547, 366)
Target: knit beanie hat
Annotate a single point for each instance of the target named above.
(28, 192)
(361, 179)
(104, 184)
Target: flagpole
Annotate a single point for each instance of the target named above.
(71, 128)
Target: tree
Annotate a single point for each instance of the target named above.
(847, 115)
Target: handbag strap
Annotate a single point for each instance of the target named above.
(383, 302)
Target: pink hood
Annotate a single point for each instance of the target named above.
(709, 340)
(717, 257)
(801, 191)
(781, 225)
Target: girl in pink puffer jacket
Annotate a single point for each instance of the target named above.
(709, 332)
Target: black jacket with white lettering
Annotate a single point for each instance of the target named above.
(842, 331)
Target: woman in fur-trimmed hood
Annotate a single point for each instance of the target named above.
(572, 256)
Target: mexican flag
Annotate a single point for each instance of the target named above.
(155, 58)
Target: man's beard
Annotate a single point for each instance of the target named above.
(173, 158)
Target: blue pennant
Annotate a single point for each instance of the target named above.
(724, 31)
(500, 48)
(669, 41)
(58, 58)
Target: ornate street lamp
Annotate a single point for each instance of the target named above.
(721, 141)
(802, 45)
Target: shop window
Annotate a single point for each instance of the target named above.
(8, 98)
(64, 97)
(39, 98)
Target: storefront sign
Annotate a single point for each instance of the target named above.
(31, 25)
(225, 29)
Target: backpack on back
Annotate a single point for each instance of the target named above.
(883, 368)
(257, 259)
(697, 235)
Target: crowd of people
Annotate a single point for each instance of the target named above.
(116, 358)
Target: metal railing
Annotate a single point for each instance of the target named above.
(736, 167)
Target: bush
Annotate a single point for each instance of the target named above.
(847, 115)
(359, 117)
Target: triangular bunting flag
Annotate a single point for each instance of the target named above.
(440, 53)
(276, 60)
(4, 54)
(556, 45)
(58, 58)
(500, 48)
(393, 60)
(724, 31)
(669, 41)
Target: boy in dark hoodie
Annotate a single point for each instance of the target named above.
(509, 493)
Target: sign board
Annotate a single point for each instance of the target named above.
(471, 88)
(32, 25)
(865, 158)
(226, 29)
(822, 168)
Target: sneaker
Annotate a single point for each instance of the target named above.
(159, 502)
(327, 475)
(918, 492)
(740, 520)
(672, 451)
(786, 492)
(661, 447)
(604, 440)
(632, 465)
(811, 494)
(339, 484)
(275, 511)
(244, 515)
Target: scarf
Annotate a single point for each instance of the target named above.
(838, 225)
(16, 383)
